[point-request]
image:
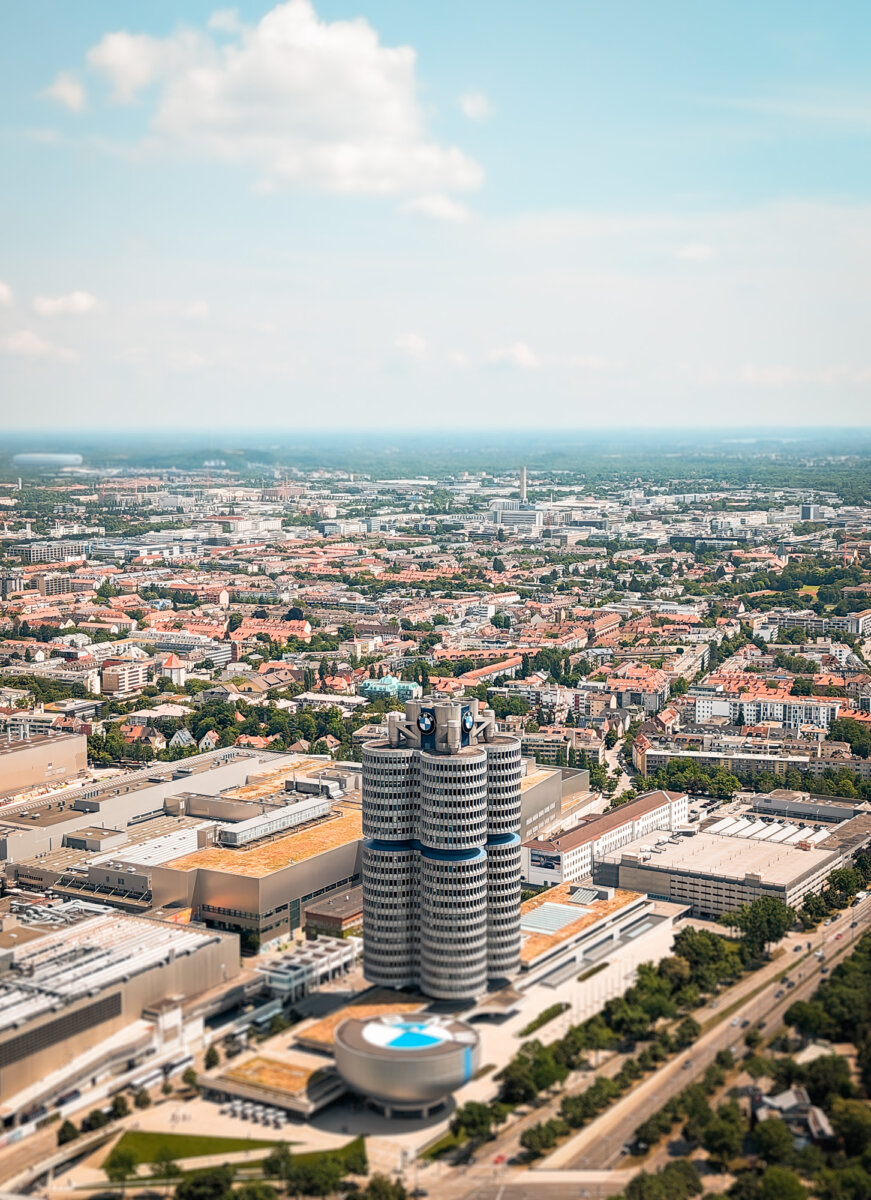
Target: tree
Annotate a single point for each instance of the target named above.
(256, 1189)
(120, 1107)
(355, 1158)
(538, 1138)
(828, 1077)
(473, 1119)
(779, 1184)
(249, 943)
(163, 1165)
(120, 1164)
(762, 922)
(381, 1187)
(773, 1141)
(277, 1162)
(722, 1139)
(214, 1183)
(142, 1099)
(189, 1079)
(851, 1120)
(676, 1181)
(68, 1132)
(212, 1058)
(686, 1033)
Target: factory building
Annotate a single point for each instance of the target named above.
(41, 761)
(86, 992)
(441, 856)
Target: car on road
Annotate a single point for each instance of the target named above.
(853, 924)
(824, 970)
(687, 1064)
(735, 1022)
(796, 949)
(778, 993)
(838, 936)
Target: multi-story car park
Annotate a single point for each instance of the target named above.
(717, 871)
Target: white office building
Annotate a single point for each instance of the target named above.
(441, 851)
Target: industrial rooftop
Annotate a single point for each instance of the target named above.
(264, 858)
(88, 950)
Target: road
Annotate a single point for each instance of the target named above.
(584, 1165)
(600, 1144)
(614, 762)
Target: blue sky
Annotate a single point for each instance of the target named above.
(379, 214)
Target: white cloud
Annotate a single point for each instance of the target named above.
(518, 354)
(187, 360)
(68, 91)
(411, 344)
(787, 376)
(589, 362)
(5, 294)
(31, 345)
(476, 106)
(198, 310)
(696, 252)
(438, 207)
(75, 304)
(226, 20)
(298, 100)
(458, 358)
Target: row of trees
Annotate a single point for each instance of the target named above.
(840, 891)
(768, 1162)
(702, 961)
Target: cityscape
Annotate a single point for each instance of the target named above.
(398, 820)
(435, 602)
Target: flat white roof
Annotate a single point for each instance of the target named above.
(729, 857)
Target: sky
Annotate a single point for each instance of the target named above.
(356, 214)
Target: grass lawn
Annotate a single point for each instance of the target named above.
(147, 1146)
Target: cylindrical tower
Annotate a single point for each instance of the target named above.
(390, 913)
(503, 905)
(453, 799)
(441, 857)
(504, 772)
(453, 923)
(390, 793)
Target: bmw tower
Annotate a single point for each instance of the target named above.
(441, 851)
